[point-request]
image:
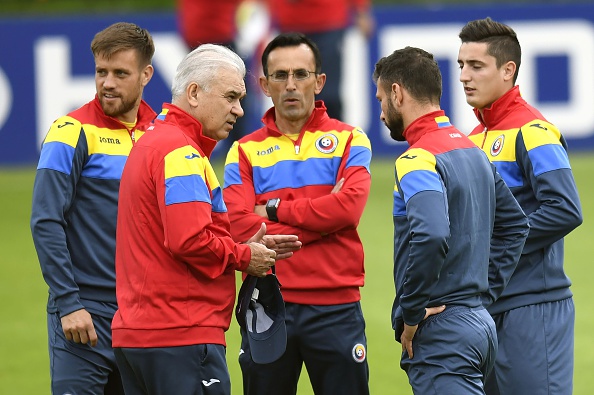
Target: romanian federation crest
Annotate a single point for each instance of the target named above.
(327, 143)
(497, 145)
(359, 353)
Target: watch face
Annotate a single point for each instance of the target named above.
(271, 206)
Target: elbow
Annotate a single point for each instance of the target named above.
(350, 223)
(33, 225)
(44, 228)
(441, 245)
(176, 251)
(183, 249)
(571, 220)
(525, 228)
(577, 219)
(35, 222)
(351, 216)
(437, 242)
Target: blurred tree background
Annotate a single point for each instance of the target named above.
(61, 7)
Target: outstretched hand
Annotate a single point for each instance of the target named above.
(283, 245)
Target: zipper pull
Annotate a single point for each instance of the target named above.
(296, 150)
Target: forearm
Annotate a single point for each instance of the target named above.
(559, 212)
(430, 231)
(331, 212)
(510, 229)
(48, 230)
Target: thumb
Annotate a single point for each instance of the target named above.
(261, 232)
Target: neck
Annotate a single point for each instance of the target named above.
(417, 111)
(287, 126)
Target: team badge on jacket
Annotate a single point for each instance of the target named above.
(327, 143)
(359, 353)
(497, 145)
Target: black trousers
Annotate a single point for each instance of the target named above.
(329, 340)
(189, 370)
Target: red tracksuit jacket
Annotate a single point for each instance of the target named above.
(175, 259)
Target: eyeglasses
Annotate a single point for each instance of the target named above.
(298, 75)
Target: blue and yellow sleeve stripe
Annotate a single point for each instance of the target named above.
(416, 173)
(188, 176)
(57, 152)
(360, 154)
(103, 151)
(232, 176)
(399, 209)
(542, 142)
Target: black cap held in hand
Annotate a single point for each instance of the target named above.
(260, 311)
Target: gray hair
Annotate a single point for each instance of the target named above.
(202, 65)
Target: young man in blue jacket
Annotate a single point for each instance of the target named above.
(535, 314)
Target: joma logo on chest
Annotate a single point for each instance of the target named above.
(109, 140)
(268, 151)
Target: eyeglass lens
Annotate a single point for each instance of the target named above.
(298, 75)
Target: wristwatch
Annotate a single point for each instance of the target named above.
(271, 207)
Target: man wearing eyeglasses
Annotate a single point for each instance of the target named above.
(307, 174)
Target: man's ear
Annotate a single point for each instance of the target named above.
(320, 82)
(263, 82)
(509, 69)
(192, 92)
(147, 74)
(397, 94)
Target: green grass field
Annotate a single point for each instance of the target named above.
(23, 339)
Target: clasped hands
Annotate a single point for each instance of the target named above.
(267, 249)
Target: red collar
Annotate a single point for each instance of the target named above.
(500, 108)
(188, 125)
(427, 123)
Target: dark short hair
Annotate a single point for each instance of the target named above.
(123, 36)
(291, 39)
(415, 70)
(502, 41)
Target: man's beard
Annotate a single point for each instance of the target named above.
(115, 111)
(395, 123)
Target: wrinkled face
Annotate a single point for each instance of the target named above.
(293, 100)
(219, 107)
(390, 115)
(120, 81)
(483, 82)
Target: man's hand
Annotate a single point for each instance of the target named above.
(78, 327)
(283, 245)
(338, 186)
(409, 331)
(260, 209)
(407, 337)
(261, 261)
